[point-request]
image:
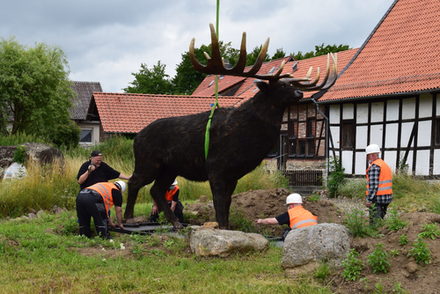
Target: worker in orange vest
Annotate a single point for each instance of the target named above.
(96, 201)
(296, 216)
(379, 190)
(172, 197)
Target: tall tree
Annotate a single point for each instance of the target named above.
(35, 92)
(150, 81)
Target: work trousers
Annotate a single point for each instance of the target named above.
(178, 212)
(89, 205)
(377, 211)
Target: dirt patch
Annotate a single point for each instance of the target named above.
(262, 204)
(404, 272)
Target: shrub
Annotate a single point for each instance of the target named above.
(357, 224)
(20, 154)
(336, 177)
(378, 260)
(352, 265)
(430, 231)
(403, 240)
(393, 222)
(66, 135)
(420, 252)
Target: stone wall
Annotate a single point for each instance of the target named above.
(6, 155)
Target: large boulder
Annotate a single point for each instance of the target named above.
(6, 156)
(304, 249)
(43, 153)
(213, 242)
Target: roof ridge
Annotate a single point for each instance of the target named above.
(399, 80)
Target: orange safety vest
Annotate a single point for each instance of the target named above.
(105, 190)
(300, 217)
(385, 186)
(170, 193)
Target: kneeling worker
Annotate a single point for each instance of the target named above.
(172, 197)
(96, 201)
(296, 216)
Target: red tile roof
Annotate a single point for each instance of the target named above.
(130, 113)
(400, 56)
(248, 89)
(207, 87)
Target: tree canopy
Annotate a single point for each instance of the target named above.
(35, 93)
(150, 80)
(320, 50)
(186, 80)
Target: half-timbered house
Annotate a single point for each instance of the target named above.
(389, 94)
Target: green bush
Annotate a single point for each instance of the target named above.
(430, 231)
(393, 222)
(352, 265)
(403, 240)
(378, 260)
(420, 252)
(20, 154)
(357, 224)
(336, 177)
(66, 135)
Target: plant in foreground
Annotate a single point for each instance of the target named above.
(420, 252)
(393, 222)
(352, 265)
(357, 224)
(322, 272)
(430, 231)
(378, 260)
(403, 239)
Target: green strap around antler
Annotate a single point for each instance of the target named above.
(208, 124)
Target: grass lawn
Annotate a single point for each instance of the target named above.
(42, 255)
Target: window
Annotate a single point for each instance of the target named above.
(347, 134)
(437, 131)
(85, 136)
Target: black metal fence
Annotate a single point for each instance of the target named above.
(304, 177)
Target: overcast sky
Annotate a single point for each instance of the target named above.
(106, 41)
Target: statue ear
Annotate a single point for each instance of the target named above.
(263, 86)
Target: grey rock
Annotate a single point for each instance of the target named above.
(213, 242)
(320, 243)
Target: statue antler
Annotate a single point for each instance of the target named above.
(215, 65)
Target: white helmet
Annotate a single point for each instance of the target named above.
(294, 198)
(121, 185)
(372, 148)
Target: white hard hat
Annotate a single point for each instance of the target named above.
(174, 183)
(372, 148)
(121, 185)
(294, 198)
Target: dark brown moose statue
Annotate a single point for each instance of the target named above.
(240, 138)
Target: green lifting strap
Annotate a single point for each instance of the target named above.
(208, 124)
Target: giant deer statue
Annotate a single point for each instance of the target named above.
(240, 138)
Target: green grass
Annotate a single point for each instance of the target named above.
(38, 258)
(49, 186)
(410, 194)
